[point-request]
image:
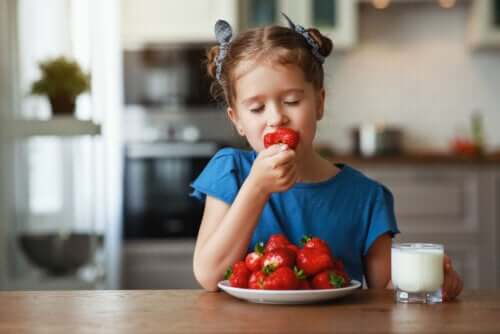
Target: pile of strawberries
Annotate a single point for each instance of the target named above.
(281, 265)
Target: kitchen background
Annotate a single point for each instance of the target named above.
(412, 101)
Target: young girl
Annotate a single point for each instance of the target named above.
(272, 78)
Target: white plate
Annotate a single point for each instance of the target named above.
(288, 296)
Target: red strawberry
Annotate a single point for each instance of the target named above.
(276, 241)
(282, 279)
(256, 280)
(282, 136)
(330, 279)
(293, 248)
(303, 282)
(238, 275)
(253, 260)
(338, 265)
(304, 285)
(281, 257)
(315, 242)
(312, 261)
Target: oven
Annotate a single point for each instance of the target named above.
(157, 180)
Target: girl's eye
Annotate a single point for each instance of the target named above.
(292, 103)
(257, 109)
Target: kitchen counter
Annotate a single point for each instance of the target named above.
(196, 311)
(419, 159)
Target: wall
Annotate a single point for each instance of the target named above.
(412, 68)
(8, 92)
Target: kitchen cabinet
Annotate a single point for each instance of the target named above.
(449, 204)
(338, 19)
(484, 24)
(157, 21)
(158, 264)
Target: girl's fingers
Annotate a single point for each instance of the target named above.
(273, 150)
(282, 158)
(289, 176)
(446, 288)
(453, 289)
(447, 263)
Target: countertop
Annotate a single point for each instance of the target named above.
(196, 311)
(418, 158)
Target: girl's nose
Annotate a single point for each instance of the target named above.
(276, 117)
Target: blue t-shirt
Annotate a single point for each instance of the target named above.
(349, 211)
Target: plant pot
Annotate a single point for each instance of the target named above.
(57, 254)
(62, 105)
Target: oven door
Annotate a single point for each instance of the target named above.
(157, 186)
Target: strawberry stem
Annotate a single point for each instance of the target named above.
(259, 248)
(305, 239)
(228, 273)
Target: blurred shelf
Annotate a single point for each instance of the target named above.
(62, 126)
(417, 158)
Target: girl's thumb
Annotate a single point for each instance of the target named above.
(447, 263)
(275, 149)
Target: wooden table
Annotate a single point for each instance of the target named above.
(195, 311)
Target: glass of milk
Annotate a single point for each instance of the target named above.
(417, 272)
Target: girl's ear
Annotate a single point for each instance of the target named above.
(320, 109)
(233, 116)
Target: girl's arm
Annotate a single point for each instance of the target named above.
(378, 263)
(226, 230)
(225, 233)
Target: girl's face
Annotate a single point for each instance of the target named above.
(270, 96)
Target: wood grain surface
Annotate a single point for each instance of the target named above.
(196, 311)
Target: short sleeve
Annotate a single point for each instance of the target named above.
(220, 178)
(382, 219)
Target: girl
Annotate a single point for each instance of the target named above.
(272, 78)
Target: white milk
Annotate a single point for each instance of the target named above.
(417, 267)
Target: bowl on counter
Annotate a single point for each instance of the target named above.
(58, 254)
(374, 140)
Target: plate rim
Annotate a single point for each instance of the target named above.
(224, 284)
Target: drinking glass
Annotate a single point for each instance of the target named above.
(417, 272)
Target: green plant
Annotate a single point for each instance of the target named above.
(61, 77)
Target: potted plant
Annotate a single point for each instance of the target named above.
(62, 81)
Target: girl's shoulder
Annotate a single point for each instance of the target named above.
(363, 184)
(226, 152)
(233, 158)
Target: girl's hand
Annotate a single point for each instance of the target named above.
(453, 284)
(274, 169)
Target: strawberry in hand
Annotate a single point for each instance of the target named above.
(286, 136)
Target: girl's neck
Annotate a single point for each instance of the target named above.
(313, 168)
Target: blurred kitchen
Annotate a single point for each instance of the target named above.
(97, 198)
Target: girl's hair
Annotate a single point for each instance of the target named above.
(273, 43)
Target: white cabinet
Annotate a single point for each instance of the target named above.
(159, 21)
(453, 205)
(337, 19)
(484, 24)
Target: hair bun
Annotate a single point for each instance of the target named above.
(211, 67)
(325, 43)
